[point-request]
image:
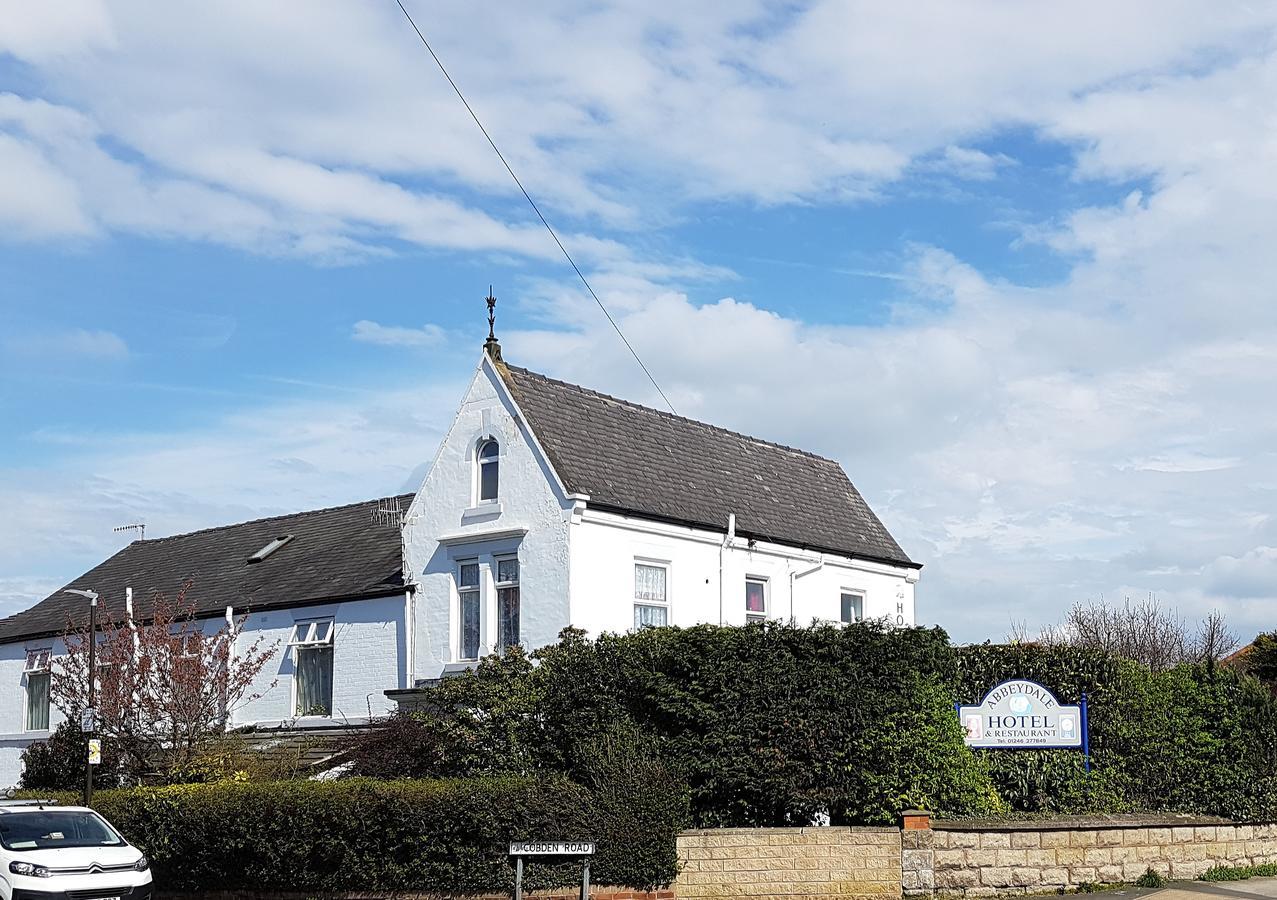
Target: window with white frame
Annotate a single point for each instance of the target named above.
(469, 608)
(507, 602)
(755, 599)
(651, 594)
(853, 607)
(488, 461)
(37, 673)
(312, 647)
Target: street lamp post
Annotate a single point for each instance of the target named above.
(93, 678)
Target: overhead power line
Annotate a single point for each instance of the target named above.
(548, 227)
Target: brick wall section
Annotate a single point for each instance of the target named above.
(986, 862)
(807, 863)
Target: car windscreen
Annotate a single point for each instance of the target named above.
(49, 829)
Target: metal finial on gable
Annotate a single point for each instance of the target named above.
(491, 346)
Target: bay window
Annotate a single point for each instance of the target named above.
(469, 606)
(507, 603)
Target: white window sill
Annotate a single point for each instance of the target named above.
(488, 509)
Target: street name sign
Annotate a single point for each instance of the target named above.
(1023, 714)
(552, 848)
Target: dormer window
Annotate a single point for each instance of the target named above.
(488, 461)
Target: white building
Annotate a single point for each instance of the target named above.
(547, 505)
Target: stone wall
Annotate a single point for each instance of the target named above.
(808, 863)
(1024, 858)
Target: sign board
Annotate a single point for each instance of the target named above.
(95, 752)
(1023, 714)
(552, 848)
(88, 719)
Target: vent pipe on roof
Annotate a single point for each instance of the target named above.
(270, 548)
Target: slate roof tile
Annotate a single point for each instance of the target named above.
(336, 553)
(645, 462)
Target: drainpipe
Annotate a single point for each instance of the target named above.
(728, 538)
(410, 627)
(794, 576)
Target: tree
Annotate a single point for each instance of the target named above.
(1141, 630)
(1260, 659)
(165, 687)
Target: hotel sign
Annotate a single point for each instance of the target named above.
(1023, 714)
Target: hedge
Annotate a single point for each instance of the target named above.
(445, 837)
(776, 725)
(1193, 739)
(769, 724)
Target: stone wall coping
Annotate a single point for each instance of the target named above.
(798, 829)
(1081, 823)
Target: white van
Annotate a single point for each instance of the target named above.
(50, 852)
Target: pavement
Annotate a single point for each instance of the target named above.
(1249, 889)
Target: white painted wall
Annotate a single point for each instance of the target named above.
(446, 524)
(369, 657)
(14, 738)
(801, 585)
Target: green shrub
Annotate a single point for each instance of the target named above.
(1239, 873)
(773, 725)
(768, 724)
(1150, 879)
(58, 763)
(1195, 739)
(439, 837)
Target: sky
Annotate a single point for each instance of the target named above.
(1011, 264)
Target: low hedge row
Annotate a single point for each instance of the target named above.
(445, 837)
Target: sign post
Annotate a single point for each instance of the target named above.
(1022, 714)
(521, 849)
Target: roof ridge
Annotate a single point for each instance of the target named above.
(257, 521)
(674, 416)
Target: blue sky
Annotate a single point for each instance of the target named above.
(1010, 265)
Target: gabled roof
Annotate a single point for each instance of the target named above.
(640, 461)
(335, 554)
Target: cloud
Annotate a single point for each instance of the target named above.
(396, 336)
(37, 200)
(1032, 443)
(968, 163)
(259, 135)
(68, 346)
(1251, 576)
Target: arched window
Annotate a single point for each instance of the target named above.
(489, 460)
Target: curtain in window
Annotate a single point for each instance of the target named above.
(314, 681)
(755, 597)
(655, 616)
(38, 701)
(649, 583)
(507, 617)
(470, 624)
(852, 607)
